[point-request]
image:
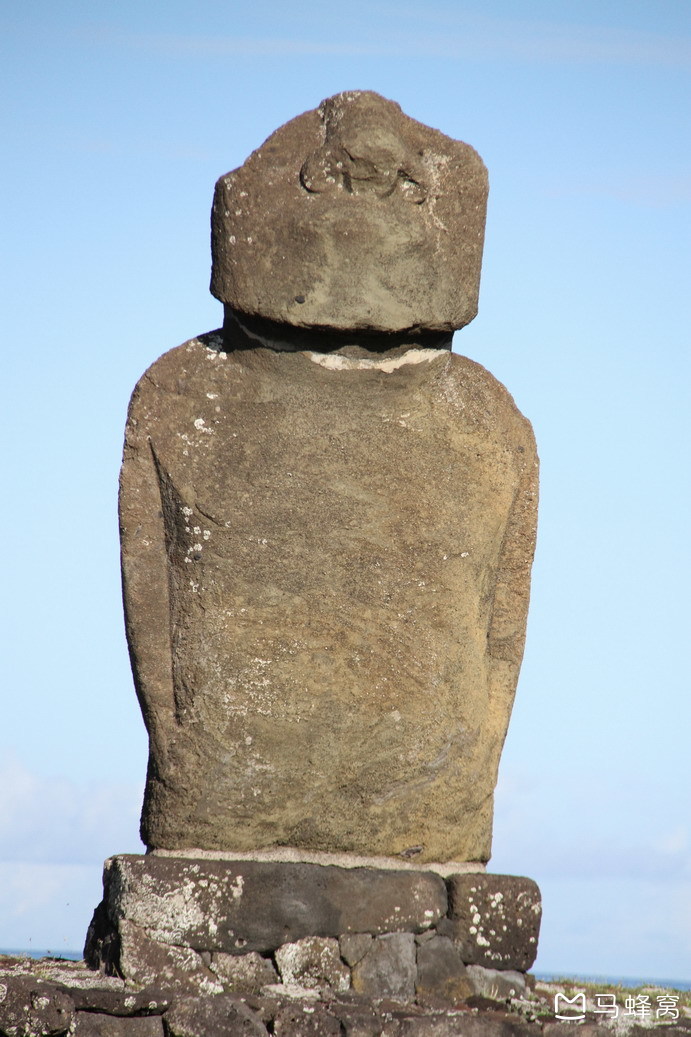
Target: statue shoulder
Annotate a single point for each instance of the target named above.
(488, 400)
(180, 373)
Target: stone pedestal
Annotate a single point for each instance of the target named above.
(206, 926)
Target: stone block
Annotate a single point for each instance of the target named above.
(30, 1006)
(388, 969)
(149, 1001)
(354, 946)
(96, 1024)
(430, 934)
(314, 962)
(465, 1024)
(441, 975)
(158, 904)
(353, 216)
(243, 974)
(221, 1016)
(101, 947)
(358, 1020)
(291, 992)
(497, 984)
(305, 1020)
(424, 1026)
(144, 960)
(494, 920)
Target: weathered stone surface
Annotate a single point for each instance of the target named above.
(463, 1024)
(85, 988)
(314, 962)
(142, 959)
(326, 564)
(101, 947)
(95, 1024)
(388, 968)
(306, 1021)
(425, 1026)
(150, 1001)
(495, 920)
(265, 1005)
(221, 1016)
(441, 975)
(497, 984)
(30, 1006)
(164, 909)
(358, 1020)
(353, 216)
(358, 1015)
(290, 992)
(354, 946)
(246, 973)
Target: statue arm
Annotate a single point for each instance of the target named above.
(145, 568)
(506, 635)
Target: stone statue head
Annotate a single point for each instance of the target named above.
(353, 217)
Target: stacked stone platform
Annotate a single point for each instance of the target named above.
(198, 947)
(211, 926)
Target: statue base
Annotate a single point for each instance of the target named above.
(210, 926)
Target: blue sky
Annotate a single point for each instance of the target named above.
(117, 120)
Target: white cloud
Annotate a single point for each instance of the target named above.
(587, 830)
(55, 834)
(47, 907)
(652, 189)
(189, 45)
(621, 928)
(461, 35)
(486, 37)
(58, 820)
(613, 863)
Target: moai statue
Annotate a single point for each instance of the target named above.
(327, 517)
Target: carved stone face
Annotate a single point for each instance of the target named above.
(353, 216)
(363, 153)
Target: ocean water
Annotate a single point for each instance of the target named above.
(616, 981)
(40, 953)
